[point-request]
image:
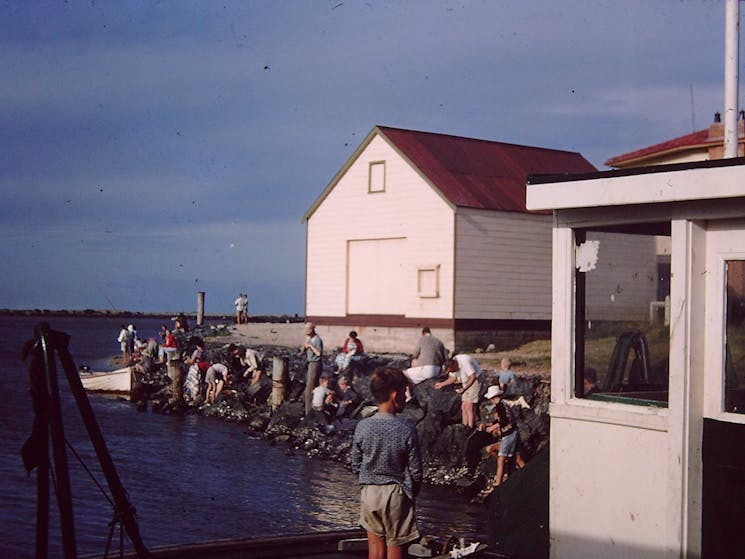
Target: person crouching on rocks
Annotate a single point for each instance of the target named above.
(504, 427)
(466, 370)
(215, 379)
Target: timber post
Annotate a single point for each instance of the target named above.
(200, 308)
(280, 376)
(175, 372)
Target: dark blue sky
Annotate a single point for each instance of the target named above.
(153, 149)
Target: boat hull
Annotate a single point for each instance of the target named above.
(116, 382)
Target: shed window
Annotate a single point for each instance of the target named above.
(376, 177)
(734, 344)
(428, 281)
(622, 324)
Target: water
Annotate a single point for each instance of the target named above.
(191, 479)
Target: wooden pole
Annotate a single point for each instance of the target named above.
(280, 374)
(200, 308)
(175, 371)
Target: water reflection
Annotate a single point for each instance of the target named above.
(191, 479)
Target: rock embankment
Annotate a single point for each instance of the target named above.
(451, 452)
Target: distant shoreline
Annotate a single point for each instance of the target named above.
(93, 313)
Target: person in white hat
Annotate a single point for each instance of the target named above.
(503, 427)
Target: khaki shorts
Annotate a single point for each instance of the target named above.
(387, 512)
(472, 394)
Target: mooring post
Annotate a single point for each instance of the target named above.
(280, 368)
(175, 371)
(200, 308)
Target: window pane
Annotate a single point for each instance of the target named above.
(734, 346)
(623, 314)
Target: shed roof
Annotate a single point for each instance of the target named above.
(469, 172)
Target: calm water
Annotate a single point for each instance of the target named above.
(190, 479)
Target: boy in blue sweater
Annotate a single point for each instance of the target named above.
(386, 456)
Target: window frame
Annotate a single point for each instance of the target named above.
(371, 175)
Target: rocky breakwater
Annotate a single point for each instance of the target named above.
(452, 452)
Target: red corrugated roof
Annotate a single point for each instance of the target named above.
(480, 173)
(699, 138)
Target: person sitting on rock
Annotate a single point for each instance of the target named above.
(506, 376)
(169, 347)
(253, 362)
(347, 397)
(215, 379)
(323, 396)
(466, 370)
(351, 350)
(428, 358)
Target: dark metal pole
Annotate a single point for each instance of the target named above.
(64, 493)
(125, 510)
(40, 400)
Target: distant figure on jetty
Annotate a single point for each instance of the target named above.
(387, 459)
(427, 359)
(312, 348)
(244, 314)
(124, 339)
(241, 304)
(351, 350)
(466, 370)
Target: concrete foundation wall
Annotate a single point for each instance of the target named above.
(383, 339)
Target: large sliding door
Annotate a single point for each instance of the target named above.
(376, 280)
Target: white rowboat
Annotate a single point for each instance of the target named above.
(119, 381)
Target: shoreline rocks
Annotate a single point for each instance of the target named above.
(451, 452)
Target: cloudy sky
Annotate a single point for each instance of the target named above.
(153, 149)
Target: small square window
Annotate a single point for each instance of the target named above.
(376, 177)
(428, 281)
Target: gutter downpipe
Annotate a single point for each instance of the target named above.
(731, 78)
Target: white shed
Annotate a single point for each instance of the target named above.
(428, 229)
(649, 461)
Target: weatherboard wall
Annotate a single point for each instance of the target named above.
(503, 265)
(353, 228)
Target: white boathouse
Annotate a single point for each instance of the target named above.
(422, 229)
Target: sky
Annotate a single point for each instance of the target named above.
(150, 150)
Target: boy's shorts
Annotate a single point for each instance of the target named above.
(387, 512)
(507, 444)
